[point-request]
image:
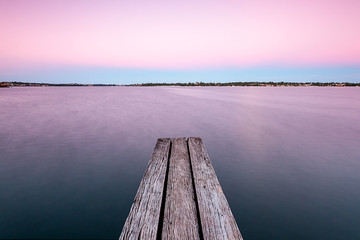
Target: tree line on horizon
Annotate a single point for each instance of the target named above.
(189, 84)
(253, 84)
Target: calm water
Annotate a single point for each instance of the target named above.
(288, 159)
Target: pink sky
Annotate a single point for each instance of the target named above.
(179, 34)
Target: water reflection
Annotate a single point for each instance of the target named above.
(287, 158)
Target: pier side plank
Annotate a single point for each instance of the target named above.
(143, 219)
(180, 213)
(217, 220)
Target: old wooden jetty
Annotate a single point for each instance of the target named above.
(180, 196)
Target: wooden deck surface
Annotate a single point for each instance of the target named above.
(180, 196)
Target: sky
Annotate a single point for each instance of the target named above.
(122, 42)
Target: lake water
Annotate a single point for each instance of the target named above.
(72, 158)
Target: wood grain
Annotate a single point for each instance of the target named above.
(180, 214)
(216, 218)
(143, 219)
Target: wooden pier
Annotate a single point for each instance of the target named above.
(180, 196)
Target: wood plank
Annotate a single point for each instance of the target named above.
(143, 219)
(180, 214)
(217, 220)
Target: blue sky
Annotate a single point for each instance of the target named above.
(108, 75)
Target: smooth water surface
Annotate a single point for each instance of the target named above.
(288, 159)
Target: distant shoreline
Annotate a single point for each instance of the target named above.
(196, 84)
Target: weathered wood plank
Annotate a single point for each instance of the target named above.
(143, 219)
(217, 220)
(180, 214)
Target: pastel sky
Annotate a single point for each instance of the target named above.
(118, 41)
